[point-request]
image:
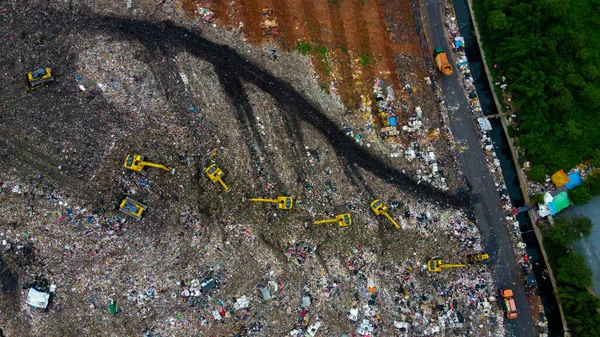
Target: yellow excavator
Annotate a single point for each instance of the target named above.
(437, 265)
(477, 258)
(380, 209)
(343, 220)
(282, 202)
(132, 208)
(137, 163)
(216, 175)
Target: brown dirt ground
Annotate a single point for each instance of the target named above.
(381, 30)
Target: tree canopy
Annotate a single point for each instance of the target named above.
(547, 50)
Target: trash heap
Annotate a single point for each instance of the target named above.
(202, 261)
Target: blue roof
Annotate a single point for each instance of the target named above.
(574, 180)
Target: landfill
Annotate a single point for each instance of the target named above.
(200, 259)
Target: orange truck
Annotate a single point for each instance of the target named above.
(509, 303)
(441, 60)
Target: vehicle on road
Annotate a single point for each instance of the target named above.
(441, 60)
(509, 303)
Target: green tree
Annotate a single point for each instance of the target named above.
(591, 94)
(537, 173)
(592, 183)
(554, 8)
(590, 72)
(537, 198)
(563, 102)
(565, 231)
(573, 271)
(497, 21)
(580, 195)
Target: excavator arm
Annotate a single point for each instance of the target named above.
(391, 220)
(162, 167)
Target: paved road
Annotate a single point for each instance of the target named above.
(486, 201)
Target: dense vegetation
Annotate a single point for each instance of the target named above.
(572, 275)
(548, 52)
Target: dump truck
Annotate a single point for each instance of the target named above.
(441, 60)
(509, 303)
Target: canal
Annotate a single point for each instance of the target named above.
(508, 168)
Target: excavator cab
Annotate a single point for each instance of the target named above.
(137, 163)
(216, 175)
(282, 202)
(38, 77)
(132, 208)
(436, 266)
(343, 220)
(477, 258)
(380, 209)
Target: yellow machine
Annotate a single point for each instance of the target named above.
(342, 220)
(38, 77)
(216, 175)
(477, 258)
(437, 265)
(137, 163)
(380, 209)
(282, 202)
(132, 208)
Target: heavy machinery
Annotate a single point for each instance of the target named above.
(132, 208)
(441, 60)
(38, 77)
(343, 220)
(477, 258)
(216, 175)
(137, 163)
(380, 209)
(509, 303)
(436, 266)
(282, 202)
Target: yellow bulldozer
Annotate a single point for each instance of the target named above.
(343, 220)
(216, 175)
(38, 77)
(137, 163)
(477, 258)
(282, 202)
(132, 208)
(380, 209)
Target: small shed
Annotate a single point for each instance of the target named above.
(559, 202)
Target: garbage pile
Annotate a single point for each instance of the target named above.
(203, 261)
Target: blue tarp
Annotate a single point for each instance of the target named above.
(574, 180)
(392, 121)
